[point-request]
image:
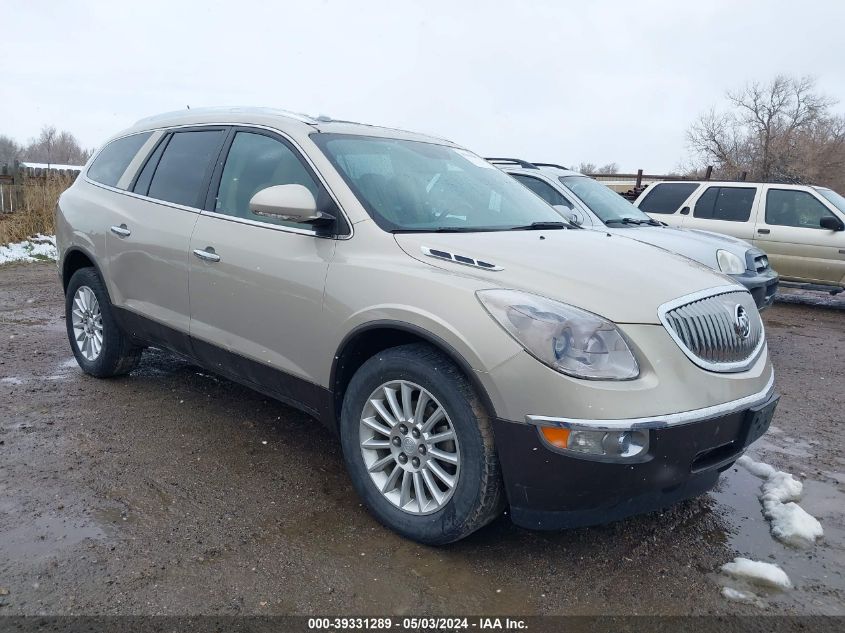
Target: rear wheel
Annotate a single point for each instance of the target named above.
(419, 446)
(100, 347)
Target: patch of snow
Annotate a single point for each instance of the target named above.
(52, 166)
(791, 524)
(37, 248)
(758, 573)
(11, 380)
(745, 597)
(70, 363)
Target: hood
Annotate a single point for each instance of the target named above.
(698, 245)
(618, 278)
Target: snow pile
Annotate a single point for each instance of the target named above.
(757, 573)
(746, 597)
(40, 247)
(791, 524)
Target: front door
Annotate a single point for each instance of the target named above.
(256, 283)
(799, 249)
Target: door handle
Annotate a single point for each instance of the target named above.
(207, 255)
(685, 211)
(764, 231)
(121, 231)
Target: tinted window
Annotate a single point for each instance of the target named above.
(786, 207)
(667, 197)
(183, 167)
(142, 183)
(544, 190)
(110, 163)
(725, 203)
(255, 162)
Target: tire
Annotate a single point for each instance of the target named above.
(475, 499)
(116, 355)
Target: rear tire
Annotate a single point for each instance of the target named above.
(440, 513)
(97, 342)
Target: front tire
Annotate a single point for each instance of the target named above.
(418, 445)
(100, 347)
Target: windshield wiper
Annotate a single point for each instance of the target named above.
(625, 221)
(539, 226)
(451, 229)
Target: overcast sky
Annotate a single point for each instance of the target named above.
(555, 81)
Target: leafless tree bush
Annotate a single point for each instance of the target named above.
(782, 130)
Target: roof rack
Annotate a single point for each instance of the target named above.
(555, 166)
(512, 161)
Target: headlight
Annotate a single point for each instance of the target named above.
(568, 339)
(729, 263)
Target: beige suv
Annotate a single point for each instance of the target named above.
(470, 349)
(800, 227)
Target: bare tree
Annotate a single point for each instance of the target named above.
(771, 130)
(592, 168)
(54, 147)
(9, 150)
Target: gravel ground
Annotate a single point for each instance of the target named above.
(173, 491)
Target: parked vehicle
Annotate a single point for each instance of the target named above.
(468, 348)
(591, 205)
(801, 228)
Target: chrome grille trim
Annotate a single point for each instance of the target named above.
(702, 324)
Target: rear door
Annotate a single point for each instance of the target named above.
(148, 242)
(799, 248)
(666, 201)
(256, 283)
(724, 208)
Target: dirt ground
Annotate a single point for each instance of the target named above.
(173, 491)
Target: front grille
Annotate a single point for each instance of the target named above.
(719, 332)
(761, 263)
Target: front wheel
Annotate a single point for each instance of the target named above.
(419, 446)
(100, 347)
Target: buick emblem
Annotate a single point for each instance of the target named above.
(742, 324)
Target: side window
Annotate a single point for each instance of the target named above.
(185, 163)
(667, 197)
(544, 190)
(786, 207)
(732, 204)
(115, 157)
(254, 162)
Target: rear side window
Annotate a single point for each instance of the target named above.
(789, 207)
(115, 157)
(667, 197)
(732, 204)
(181, 174)
(544, 190)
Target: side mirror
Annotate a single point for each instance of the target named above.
(570, 214)
(292, 203)
(831, 223)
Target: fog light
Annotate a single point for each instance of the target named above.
(599, 443)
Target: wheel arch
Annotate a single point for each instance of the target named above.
(368, 339)
(76, 258)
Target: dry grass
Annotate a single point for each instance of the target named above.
(37, 198)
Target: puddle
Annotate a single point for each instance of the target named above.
(818, 572)
(44, 537)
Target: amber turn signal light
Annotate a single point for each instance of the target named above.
(555, 436)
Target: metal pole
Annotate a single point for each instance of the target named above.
(639, 178)
(709, 172)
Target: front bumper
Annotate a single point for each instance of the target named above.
(762, 286)
(552, 489)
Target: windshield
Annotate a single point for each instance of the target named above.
(603, 201)
(834, 198)
(418, 186)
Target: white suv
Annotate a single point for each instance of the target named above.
(591, 205)
(801, 228)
